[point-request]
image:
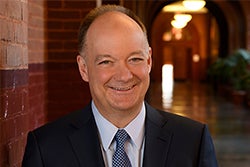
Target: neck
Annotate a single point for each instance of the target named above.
(121, 118)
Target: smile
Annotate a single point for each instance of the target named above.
(122, 88)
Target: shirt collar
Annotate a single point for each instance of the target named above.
(107, 130)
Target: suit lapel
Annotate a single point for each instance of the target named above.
(157, 139)
(85, 140)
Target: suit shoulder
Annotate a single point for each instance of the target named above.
(170, 118)
(64, 124)
(178, 119)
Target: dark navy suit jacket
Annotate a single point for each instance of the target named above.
(72, 141)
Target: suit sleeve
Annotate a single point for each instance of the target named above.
(32, 156)
(207, 152)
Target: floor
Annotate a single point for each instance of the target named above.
(229, 124)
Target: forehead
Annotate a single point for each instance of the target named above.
(112, 22)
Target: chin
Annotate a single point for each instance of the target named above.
(125, 105)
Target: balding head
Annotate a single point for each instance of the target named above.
(100, 11)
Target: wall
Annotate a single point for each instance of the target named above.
(246, 8)
(14, 115)
(22, 74)
(38, 43)
(37, 64)
(66, 91)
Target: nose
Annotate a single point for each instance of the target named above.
(123, 72)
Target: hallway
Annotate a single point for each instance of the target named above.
(229, 124)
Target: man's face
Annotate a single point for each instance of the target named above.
(117, 63)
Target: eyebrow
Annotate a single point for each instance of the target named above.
(138, 52)
(99, 57)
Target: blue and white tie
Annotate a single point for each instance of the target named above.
(120, 158)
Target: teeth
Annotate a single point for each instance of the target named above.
(122, 89)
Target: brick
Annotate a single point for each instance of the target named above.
(3, 7)
(63, 14)
(63, 55)
(55, 24)
(78, 4)
(13, 78)
(21, 33)
(15, 150)
(8, 130)
(72, 25)
(36, 90)
(3, 53)
(54, 4)
(36, 9)
(16, 56)
(59, 66)
(62, 35)
(37, 2)
(37, 68)
(34, 99)
(5, 33)
(36, 33)
(36, 45)
(14, 9)
(37, 56)
(22, 124)
(84, 13)
(14, 102)
(55, 45)
(70, 45)
(37, 79)
(36, 22)
(3, 155)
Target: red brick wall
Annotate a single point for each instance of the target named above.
(66, 91)
(14, 115)
(37, 63)
(22, 74)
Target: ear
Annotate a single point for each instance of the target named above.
(83, 69)
(149, 61)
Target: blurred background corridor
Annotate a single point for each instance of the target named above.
(201, 67)
(228, 123)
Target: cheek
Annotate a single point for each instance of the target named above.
(142, 72)
(100, 76)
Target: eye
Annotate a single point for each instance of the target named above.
(105, 62)
(136, 60)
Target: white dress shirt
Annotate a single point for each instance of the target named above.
(133, 147)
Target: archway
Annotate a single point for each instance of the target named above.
(225, 21)
(186, 48)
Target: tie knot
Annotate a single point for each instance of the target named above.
(121, 136)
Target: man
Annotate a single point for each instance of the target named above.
(115, 58)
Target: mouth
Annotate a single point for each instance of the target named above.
(122, 88)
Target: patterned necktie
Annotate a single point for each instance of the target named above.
(120, 158)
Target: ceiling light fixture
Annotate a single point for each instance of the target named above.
(178, 24)
(194, 5)
(181, 20)
(183, 17)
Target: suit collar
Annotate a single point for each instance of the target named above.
(157, 139)
(86, 145)
(85, 140)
